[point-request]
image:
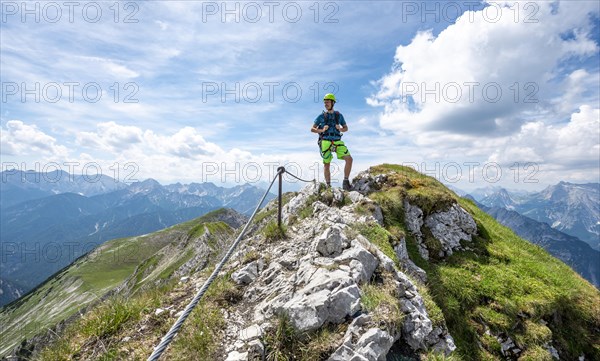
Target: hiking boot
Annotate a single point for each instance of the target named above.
(346, 185)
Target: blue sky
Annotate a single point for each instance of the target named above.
(505, 86)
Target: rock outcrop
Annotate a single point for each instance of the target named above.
(447, 227)
(314, 278)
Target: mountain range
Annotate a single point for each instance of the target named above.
(44, 226)
(19, 186)
(552, 219)
(571, 208)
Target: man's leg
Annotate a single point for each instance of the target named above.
(348, 166)
(327, 172)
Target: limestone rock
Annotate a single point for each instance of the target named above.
(451, 226)
(371, 343)
(448, 227)
(237, 356)
(251, 333)
(361, 262)
(299, 201)
(355, 196)
(366, 183)
(330, 242)
(407, 263)
(338, 196)
(247, 274)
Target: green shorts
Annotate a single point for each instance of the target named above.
(326, 150)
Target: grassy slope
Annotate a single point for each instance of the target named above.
(504, 283)
(99, 334)
(90, 278)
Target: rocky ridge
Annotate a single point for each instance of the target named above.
(315, 276)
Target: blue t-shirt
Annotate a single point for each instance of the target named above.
(329, 119)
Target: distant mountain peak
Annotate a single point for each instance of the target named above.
(145, 186)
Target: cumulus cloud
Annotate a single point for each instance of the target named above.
(186, 143)
(575, 144)
(111, 136)
(20, 139)
(129, 153)
(134, 153)
(481, 77)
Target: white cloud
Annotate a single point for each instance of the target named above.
(574, 145)
(21, 139)
(505, 55)
(110, 136)
(185, 143)
(559, 133)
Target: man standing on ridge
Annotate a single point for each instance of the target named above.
(330, 125)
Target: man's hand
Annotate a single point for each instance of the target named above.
(325, 128)
(338, 127)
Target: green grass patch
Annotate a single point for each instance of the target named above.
(107, 319)
(283, 342)
(364, 208)
(505, 283)
(307, 210)
(430, 200)
(434, 356)
(435, 313)
(536, 353)
(321, 344)
(218, 232)
(509, 285)
(273, 232)
(391, 203)
(380, 299)
(263, 214)
(250, 256)
(142, 270)
(197, 231)
(61, 350)
(101, 325)
(200, 337)
(346, 202)
(213, 228)
(426, 192)
(380, 237)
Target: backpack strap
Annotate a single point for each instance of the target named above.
(321, 135)
(337, 121)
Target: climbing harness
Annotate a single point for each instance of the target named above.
(332, 146)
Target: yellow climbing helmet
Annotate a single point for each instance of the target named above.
(329, 96)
